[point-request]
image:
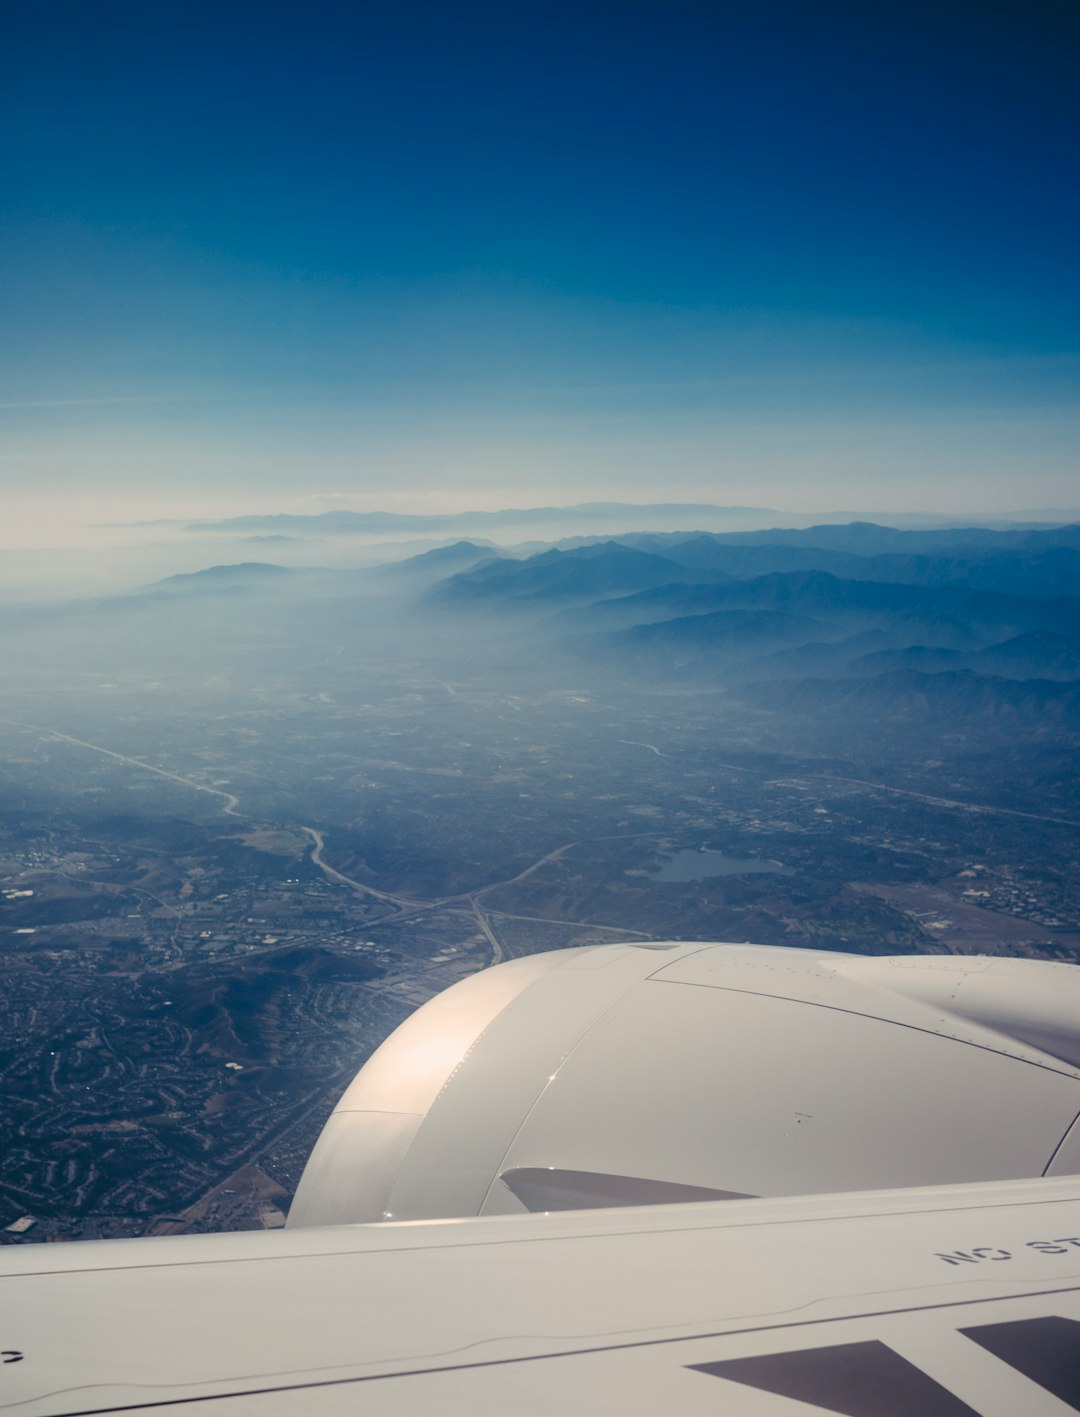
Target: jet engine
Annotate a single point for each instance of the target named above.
(637, 1074)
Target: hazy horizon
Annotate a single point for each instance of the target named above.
(97, 558)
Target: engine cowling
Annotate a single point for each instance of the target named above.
(630, 1074)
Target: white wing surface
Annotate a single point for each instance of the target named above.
(934, 1303)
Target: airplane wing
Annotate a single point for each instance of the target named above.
(722, 1077)
(933, 1302)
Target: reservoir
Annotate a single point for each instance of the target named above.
(697, 865)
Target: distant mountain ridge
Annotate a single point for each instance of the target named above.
(606, 569)
(991, 617)
(872, 539)
(437, 564)
(983, 623)
(634, 517)
(824, 622)
(373, 523)
(1039, 564)
(609, 569)
(222, 577)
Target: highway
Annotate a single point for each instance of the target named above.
(232, 802)
(404, 905)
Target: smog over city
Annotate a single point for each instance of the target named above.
(479, 480)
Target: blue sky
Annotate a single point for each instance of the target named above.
(260, 256)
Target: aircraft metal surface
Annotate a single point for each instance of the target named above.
(947, 1300)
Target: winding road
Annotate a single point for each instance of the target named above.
(405, 905)
(317, 860)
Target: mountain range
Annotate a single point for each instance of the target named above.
(840, 615)
(834, 618)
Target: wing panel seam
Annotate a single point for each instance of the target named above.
(562, 1353)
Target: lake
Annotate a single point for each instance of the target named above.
(697, 865)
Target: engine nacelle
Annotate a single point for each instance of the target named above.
(636, 1074)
